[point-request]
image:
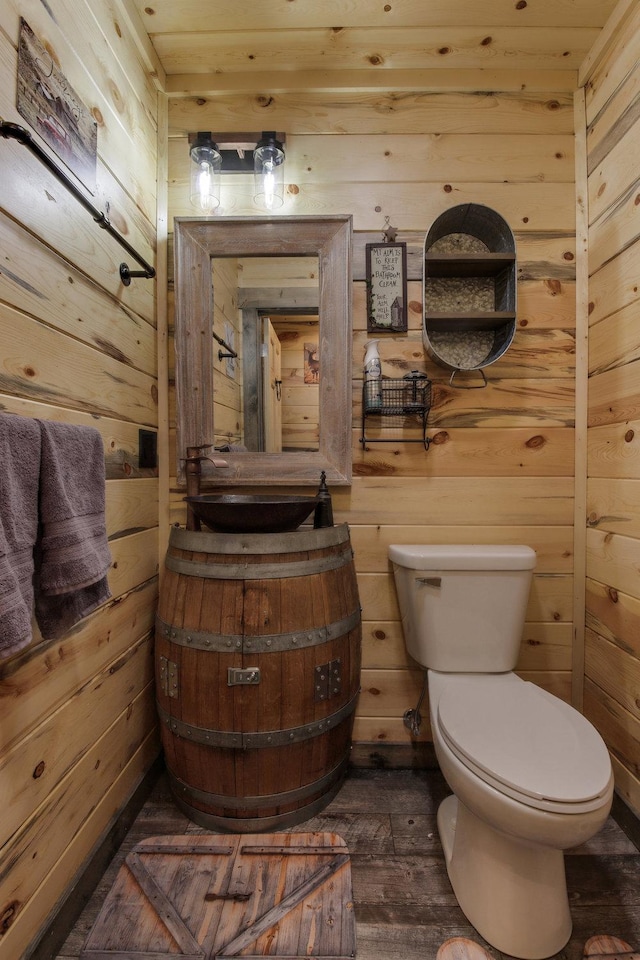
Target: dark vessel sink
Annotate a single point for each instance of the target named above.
(259, 513)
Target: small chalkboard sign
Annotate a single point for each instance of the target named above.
(386, 287)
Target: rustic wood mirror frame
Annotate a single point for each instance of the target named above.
(196, 242)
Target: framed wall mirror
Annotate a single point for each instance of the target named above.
(250, 294)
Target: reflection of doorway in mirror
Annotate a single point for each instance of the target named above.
(286, 291)
(272, 389)
(299, 338)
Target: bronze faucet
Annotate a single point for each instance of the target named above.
(193, 471)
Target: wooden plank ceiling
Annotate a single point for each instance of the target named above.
(241, 45)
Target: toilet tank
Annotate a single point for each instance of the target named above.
(463, 606)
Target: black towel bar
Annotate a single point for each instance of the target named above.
(14, 131)
(223, 343)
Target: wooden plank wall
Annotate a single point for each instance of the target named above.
(501, 465)
(77, 716)
(612, 645)
(227, 399)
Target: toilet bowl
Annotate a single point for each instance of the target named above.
(530, 776)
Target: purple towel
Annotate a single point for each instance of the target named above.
(19, 469)
(72, 552)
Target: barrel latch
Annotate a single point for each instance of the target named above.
(237, 676)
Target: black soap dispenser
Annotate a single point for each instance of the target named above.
(323, 516)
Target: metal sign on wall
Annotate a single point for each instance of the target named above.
(51, 106)
(386, 287)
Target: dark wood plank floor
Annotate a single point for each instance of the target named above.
(404, 905)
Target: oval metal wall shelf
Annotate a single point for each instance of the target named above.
(469, 289)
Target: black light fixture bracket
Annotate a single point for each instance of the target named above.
(13, 131)
(236, 149)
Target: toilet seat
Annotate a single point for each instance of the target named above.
(524, 742)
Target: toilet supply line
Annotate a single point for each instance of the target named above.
(413, 718)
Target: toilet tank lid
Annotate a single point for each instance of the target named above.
(461, 556)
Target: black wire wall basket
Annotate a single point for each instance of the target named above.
(409, 396)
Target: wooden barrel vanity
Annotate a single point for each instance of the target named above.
(257, 673)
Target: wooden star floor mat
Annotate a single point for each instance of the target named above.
(608, 948)
(223, 896)
(459, 948)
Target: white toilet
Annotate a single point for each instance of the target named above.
(530, 776)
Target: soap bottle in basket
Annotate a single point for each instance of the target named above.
(372, 375)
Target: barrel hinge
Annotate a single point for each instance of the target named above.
(327, 680)
(169, 679)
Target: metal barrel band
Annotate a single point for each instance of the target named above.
(258, 739)
(258, 571)
(269, 643)
(255, 824)
(192, 794)
(198, 639)
(259, 543)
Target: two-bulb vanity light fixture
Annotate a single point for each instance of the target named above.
(216, 154)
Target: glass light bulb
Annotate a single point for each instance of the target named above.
(269, 184)
(206, 163)
(204, 188)
(268, 166)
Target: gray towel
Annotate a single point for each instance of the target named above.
(19, 470)
(72, 552)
